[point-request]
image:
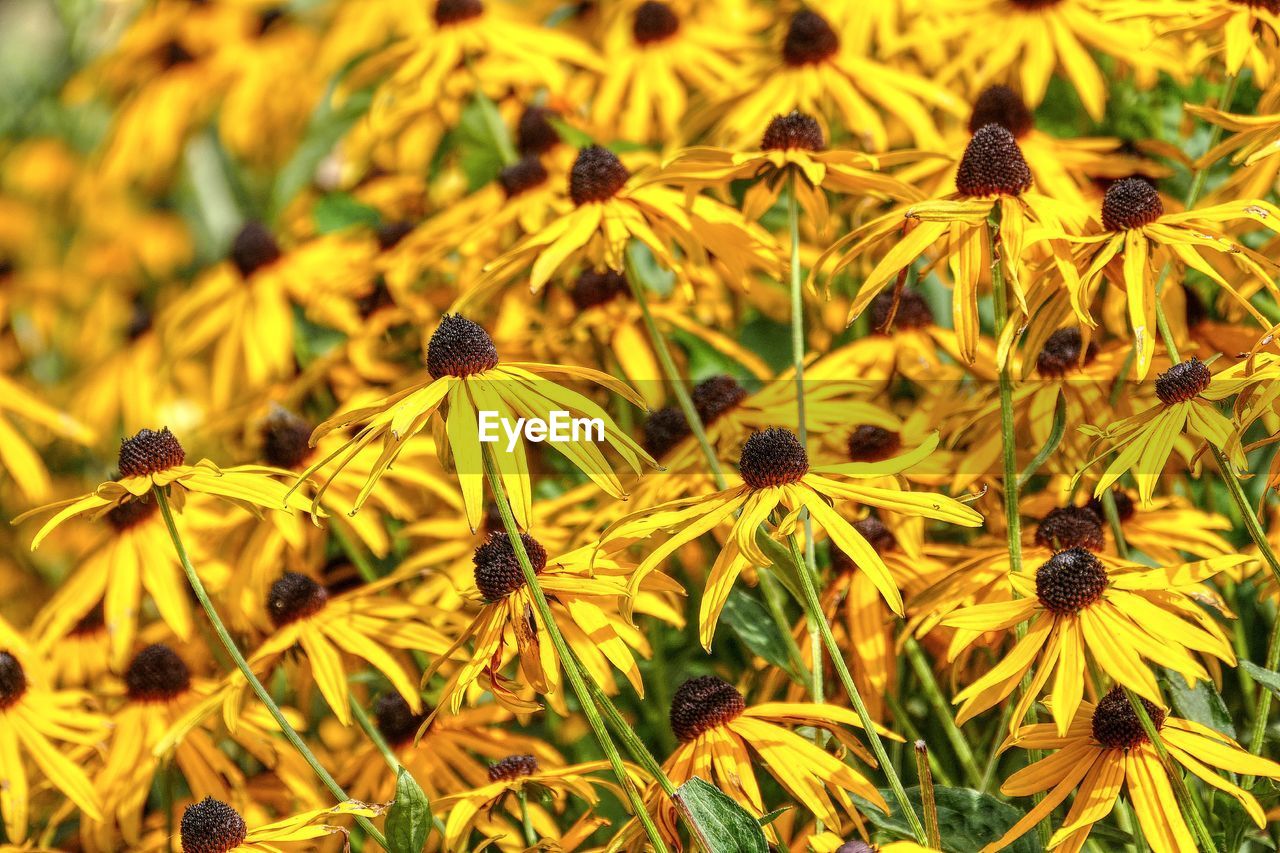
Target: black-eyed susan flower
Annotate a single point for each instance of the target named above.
(775, 473)
(32, 717)
(719, 734)
(155, 459)
(1241, 32)
(1078, 609)
(1139, 238)
(212, 826)
(993, 177)
(1106, 749)
(466, 377)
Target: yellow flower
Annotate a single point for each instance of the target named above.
(31, 716)
(1083, 609)
(212, 824)
(1106, 748)
(466, 379)
(153, 459)
(1243, 33)
(18, 458)
(1254, 137)
(775, 473)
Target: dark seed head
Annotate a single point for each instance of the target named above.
(773, 457)
(1061, 353)
(715, 396)
(513, 767)
(593, 288)
(703, 703)
(1115, 724)
(140, 320)
(254, 248)
(460, 348)
(1070, 581)
(1033, 5)
(457, 11)
(396, 720)
(1070, 527)
(855, 846)
(597, 175)
(879, 537)
(1130, 203)
(1124, 506)
(174, 54)
(810, 39)
(871, 443)
(284, 439)
(535, 134)
(664, 429)
(1182, 382)
(993, 164)
(90, 623)
(212, 826)
(913, 311)
(391, 233)
(294, 596)
(1272, 6)
(497, 571)
(13, 681)
(522, 176)
(126, 514)
(1003, 106)
(150, 452)
(156, 674)
(1197, 311)
(654, 21)
(793, 130)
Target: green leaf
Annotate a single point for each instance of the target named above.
(1202, 703)
(409, 821)
(337, 211)
(968, 820)
(1264, 677)
(570, 134)
(753, 625)
(1055, 438)
(721, 824)
(765, 820)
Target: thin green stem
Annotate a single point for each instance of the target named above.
(224, 636)
(630, 740)
(1009, 456)
(813, 606)
(1263, 709)
(1113, 519)
(942, 711)
(375, 736)
(357, 556)
(572, 674)
(530, 835)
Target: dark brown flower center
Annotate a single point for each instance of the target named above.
(497, 571)
(140, 320)
(1003, 106)
(703, 703)
(1182, 382)
(460, 348)
(13, 680)
(253, 249)
(593, 288)
(1033, 5)
(993, 164)
(150, 452)
(715, 396)
(90, 623)
(810, 39)
(513, 767)
(793, 130)
(173, 54)
(773, 457)
(295, 596)
(597, 175)
(457, 11)
(912, 311)
(535, 134)
(212, 826)
(285, 438)
(664, 429)
(1070, 581)
(871, 443)
(522, 176)
(1061, 353)
(1272, 6)
(1115, 723)
(1197, 311)
(654, 21)
(1070, 527)
(126, 514)
(156, 674)
(1125, 507)
(1130, 203)
(396, 720)
(877, 535)
(391, 233)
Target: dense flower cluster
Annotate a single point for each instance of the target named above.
(473, 424)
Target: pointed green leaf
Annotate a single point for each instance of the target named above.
(409, 821)
(721, 824)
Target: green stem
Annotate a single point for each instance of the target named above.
(567, 661)
(1113, 519)
(1013, 519)
(357, 556)
(530, 836)
(813, 606)
(224, 636)
(630, 740)
(1263, 709)
(1183, 796)
(375, 736)
(942, 710)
